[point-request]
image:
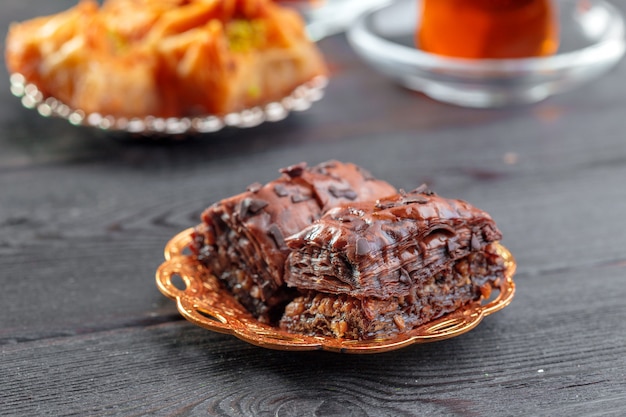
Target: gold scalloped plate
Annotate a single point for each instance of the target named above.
(207, 304)
(300, 99)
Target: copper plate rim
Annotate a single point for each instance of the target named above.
(300, 99)
(207, 304)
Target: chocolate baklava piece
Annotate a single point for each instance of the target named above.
(242, 238)
(374, 269)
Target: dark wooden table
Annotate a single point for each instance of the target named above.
(84, 216)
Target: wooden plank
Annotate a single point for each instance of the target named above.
(93, 233)
(558, 350)
(84, 217)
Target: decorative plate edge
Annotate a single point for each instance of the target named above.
(234, 321)
(300, 99)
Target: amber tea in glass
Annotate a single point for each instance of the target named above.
(488, 28)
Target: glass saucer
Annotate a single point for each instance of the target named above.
(592, 42)
(300, 99)
(329, 17)
(205, 302)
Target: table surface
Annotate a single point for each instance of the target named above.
(84, 217)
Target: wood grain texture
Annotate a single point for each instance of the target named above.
(84, 217)
(541, 356)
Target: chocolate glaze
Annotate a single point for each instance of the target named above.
(242, 239)
(340, 315)
(384, 248)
